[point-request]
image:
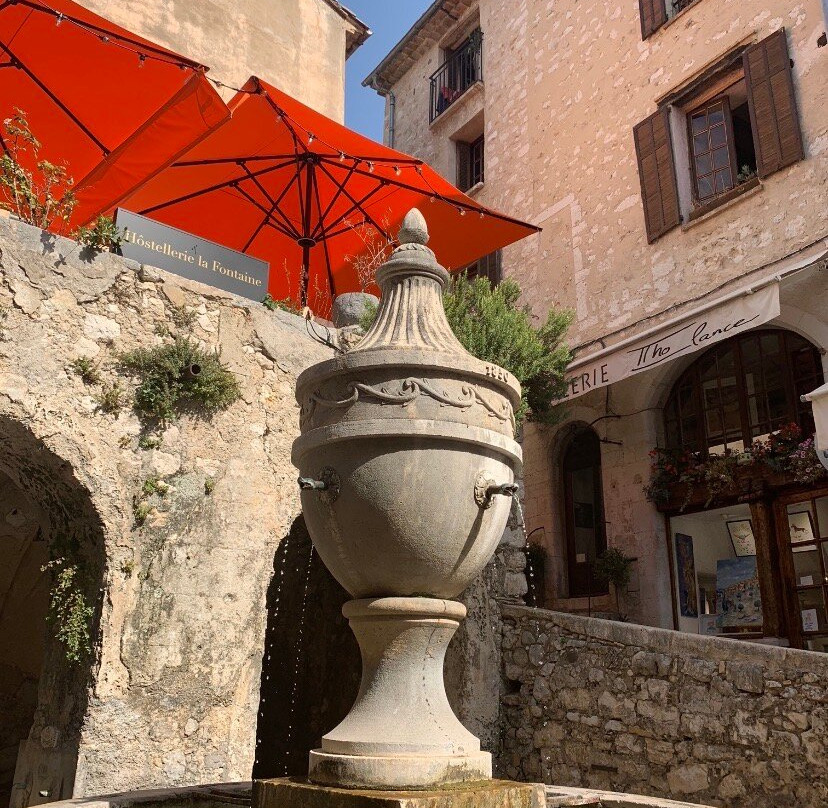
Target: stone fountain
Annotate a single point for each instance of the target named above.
(407, 460)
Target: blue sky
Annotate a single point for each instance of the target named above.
(389, 20)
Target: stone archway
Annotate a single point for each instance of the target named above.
(52, 558)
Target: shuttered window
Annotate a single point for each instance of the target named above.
(772, 104)
(653, 16)
(469, 164)
(656, 171)
(489, 266)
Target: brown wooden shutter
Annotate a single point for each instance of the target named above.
(463, 166)
(656, 171)
(653, 16)
(772, 103)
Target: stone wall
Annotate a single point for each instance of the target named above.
(610, 705)
(173, 685)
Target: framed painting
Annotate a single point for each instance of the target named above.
(738, 599)
(686, 574)
(741, 537)
(801, 526)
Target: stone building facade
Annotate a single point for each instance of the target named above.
(299, 46)
(676, 157)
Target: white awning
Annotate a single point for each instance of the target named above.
(690, 332)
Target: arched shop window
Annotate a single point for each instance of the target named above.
(743, 389)
(583, 498)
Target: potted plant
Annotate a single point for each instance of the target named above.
(614, 566)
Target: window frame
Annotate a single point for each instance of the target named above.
(706, 106)
(674, 432)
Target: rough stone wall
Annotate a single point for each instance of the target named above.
(611, 705)
(175, 682)
(296, 45)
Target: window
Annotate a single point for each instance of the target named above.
(469, 164)
(654, 13)
(584, 517)
(743, 389)
(489, 266)
(735, 124)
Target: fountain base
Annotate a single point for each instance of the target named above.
(401, 732)
(289, 793)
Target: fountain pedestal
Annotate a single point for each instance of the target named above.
(401, 732)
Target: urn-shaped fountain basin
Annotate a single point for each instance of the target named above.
(407, 446)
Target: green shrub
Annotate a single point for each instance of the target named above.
(43, 197)
(102, 235)
(69, 612)
(369, 314)
(614, 566)
(492, 326)
(288, 305)
(178, 378)
(110, 399)
(86, 369)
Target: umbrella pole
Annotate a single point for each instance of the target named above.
(305, 275)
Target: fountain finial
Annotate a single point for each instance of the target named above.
(413, 229)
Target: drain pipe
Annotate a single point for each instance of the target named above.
(392, 111)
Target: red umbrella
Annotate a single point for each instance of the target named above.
(110, 106)
(288, 185)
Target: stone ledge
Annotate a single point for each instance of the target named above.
(564, 797)
(296, 793)
(674, 642)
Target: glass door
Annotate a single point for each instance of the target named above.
(806, 522)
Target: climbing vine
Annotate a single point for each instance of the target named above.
(70, 613)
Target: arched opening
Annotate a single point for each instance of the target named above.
(51, 565)
(583, 512)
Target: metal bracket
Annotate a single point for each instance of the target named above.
(327, 483)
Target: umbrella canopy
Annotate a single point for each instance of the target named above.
(111, 107)
(316, 200)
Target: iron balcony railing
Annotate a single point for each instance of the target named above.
(459, 72)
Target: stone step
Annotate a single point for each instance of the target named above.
(562, 796)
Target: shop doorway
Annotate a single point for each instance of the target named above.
(802, 528)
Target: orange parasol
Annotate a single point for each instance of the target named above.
(110, 106)
(286, 184)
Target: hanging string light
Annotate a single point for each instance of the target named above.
(397, 170)
(59, 19)
(370, 167)
(310, 138)
(142, 57)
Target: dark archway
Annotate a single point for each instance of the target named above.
(311, 664)
(52, 557)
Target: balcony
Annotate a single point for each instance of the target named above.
(461, 70)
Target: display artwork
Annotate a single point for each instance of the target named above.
(741, 536)
(738, 599)
(801, 526)
(810, 620)
(686, 573)
(708, 624)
